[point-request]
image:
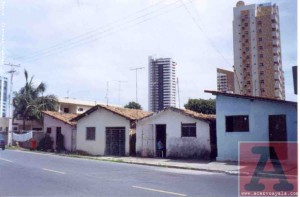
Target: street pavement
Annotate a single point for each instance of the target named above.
(35, 174)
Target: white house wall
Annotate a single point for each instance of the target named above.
(177, 146)
(66, 131)
(100, 119)
(258, 112)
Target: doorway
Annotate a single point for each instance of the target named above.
(115, 141)
(278, 133)
(277, 128)
(161, 136)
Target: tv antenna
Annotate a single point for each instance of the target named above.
(136, 81)
(119, 89)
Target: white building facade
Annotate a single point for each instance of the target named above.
(184, 134)
(162, 83)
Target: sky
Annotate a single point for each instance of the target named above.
(83, 48)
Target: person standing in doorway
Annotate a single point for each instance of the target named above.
(160, 148)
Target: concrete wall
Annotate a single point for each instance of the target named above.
(74, 108)
(177, 146)
(66, 130)
(29, 124)
(4, 123)
(100, 119)
(258, 112)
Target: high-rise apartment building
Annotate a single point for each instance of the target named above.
(257, 51)
(162, 83)
(225, 80)
(3, 96)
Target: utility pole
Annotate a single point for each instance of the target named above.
(119, 89)
(136, 81)
(12, 71)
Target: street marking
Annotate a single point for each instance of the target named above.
(161, 191)
(6, 160)
(53, 171)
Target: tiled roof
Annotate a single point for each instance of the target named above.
(193, 114)
(249, 97)
(196, 114)
(64, 117)
(131, 114)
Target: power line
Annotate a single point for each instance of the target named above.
(96, 37)
(89, 32)
(94, 34)
(200, 28)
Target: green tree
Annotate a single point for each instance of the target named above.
(133, 105)
(30, 101)
(202, 105)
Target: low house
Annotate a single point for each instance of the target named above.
(254, 119)
(58, 124)
(183, 133)
(108, 130)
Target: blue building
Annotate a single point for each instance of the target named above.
(242, 118)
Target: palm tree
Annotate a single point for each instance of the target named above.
(30, 101)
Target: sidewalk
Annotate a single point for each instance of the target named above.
(230, 168)
(209, 166)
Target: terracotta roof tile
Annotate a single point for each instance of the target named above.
(64, 117)
(193, 114)
(131, 114)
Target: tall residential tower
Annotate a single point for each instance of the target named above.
(162, 83)
(257, 51)
(225, 80)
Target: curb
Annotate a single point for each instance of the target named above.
(232, 173)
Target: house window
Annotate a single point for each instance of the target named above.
(66, 110)
(260, 39)
(188, 130)
(237, 123)
(90, 133)
(80, 109)
(48, 130)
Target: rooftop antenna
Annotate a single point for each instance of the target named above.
(119, 89)
(136, 81)
(178, 92)
(12, 71)
(107, 88)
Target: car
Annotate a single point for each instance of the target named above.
(2, 142)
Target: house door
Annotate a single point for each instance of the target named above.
(278, 133)
(277, 128)
(115, 141)
(161, 136)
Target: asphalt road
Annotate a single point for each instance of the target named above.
(34, 174)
